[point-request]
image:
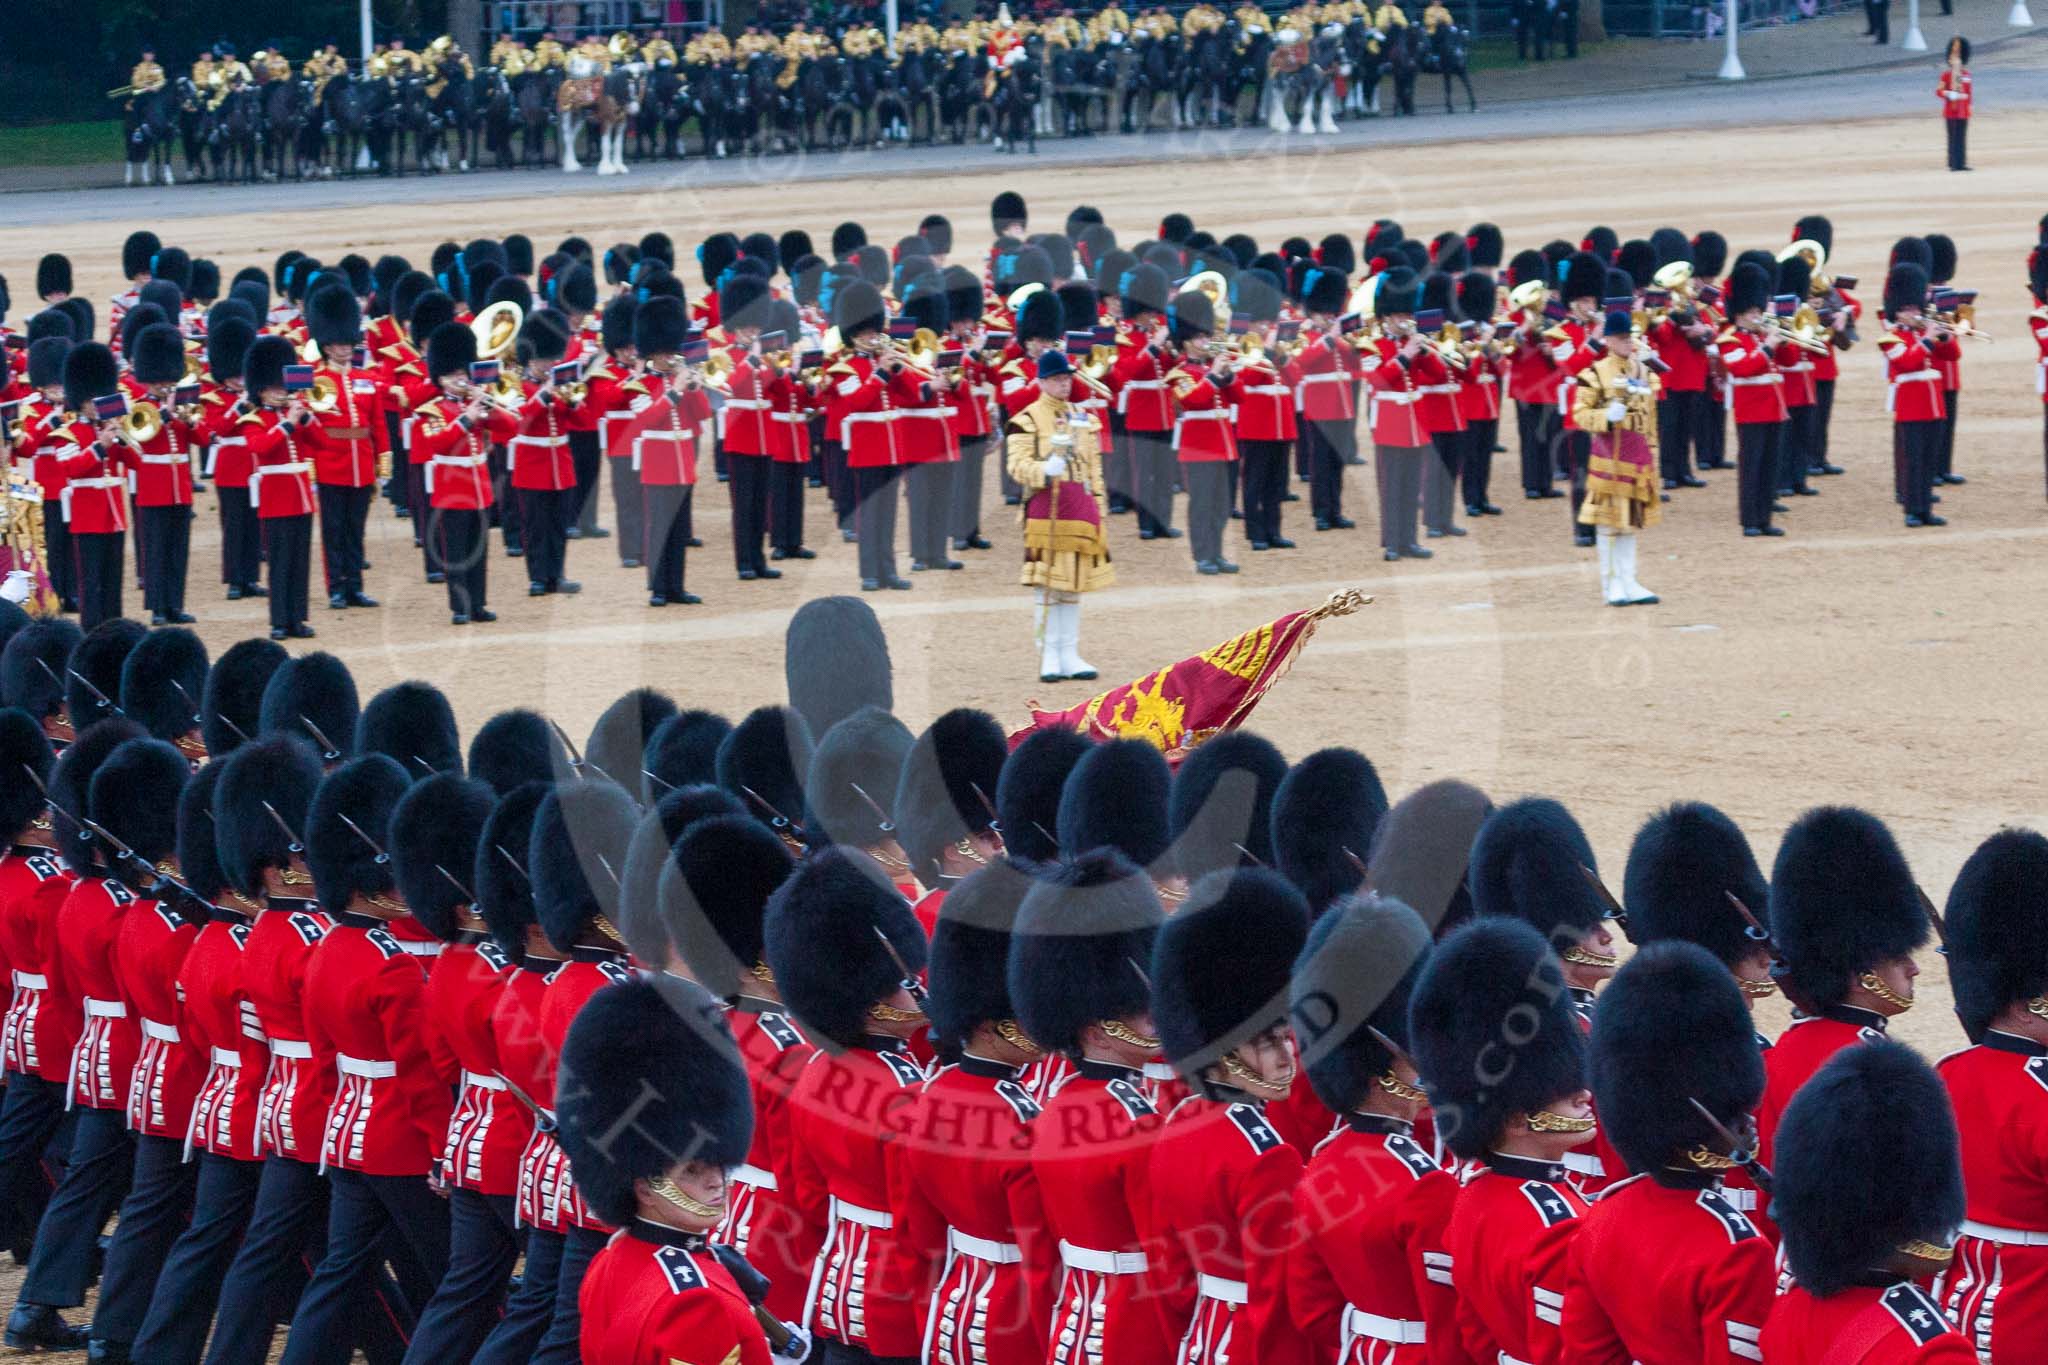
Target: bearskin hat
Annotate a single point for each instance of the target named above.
(1529, 861)
(22, 745)
(1842, 901)
(227, 348)
(503, 886)
(1602, 242)
(413, 723)
(1219, 810)
(71, 789)
(137, 252)
(51, 322)
(515, 747)
(12, 620)
(32, 666)
(873, 264)
(1422, 849)
(791, 247)
(1395, 292)
(204, 286)
(1585, 277)
(619, 738)
(501, 289)
(1191, 316)
(1355, 975)
(764, 761)
(313, 697)
(253, 291)
(199, 864)
(1486, 980)
(1485, 245)
(1749, 287)
(715, 254)
(435, 830)
(53, 275)
(158, 355)
(1709, 254)
(1915, 250)
(964, 296)
(682, 752)
(1059, 254)
(848, 238)
(92, 678)
(1323, 290)
(1440, 293)
(344, 865)
(431, 311)
(279, 771)
(1221, 964)
(1323, 819)
(743, 302)
(924, 300)
(1255, 295)
(1795, 276)
(580, 834)
(451, 347)
(619, 260)
(1142, 289)
(970, 952)
(543, 337)
(650, 1077)
(647, 864)
(1672, 1028)
(1476, 295)
(857, 309)
(1668, 244)
(268, 356)
(1815, 228)
(1998, 927)
(2037, 284)
(1079, 310)
(1638, 259)
(1082, 947)
(1116, 797)
(231, 709)
(821, 938)
(727, 868)
(1028, 795)
(853, 776)
(835, 660)
(333, 317)
(576, 289)
(1685, 863)
(1007, 210)
(1040, 318)
(1866, 1161)
(1905, 287)
(660, 325)
(46, 357)
(142, 315)
(163, 679)
(134, 797)
(946, 790)
(1941, 258)
(615, 330)
(1447, 253)
(89, 373)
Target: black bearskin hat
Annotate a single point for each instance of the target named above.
(1029, 793)
(344, 865)
(1842, 902)
(1491, 979)
(1914, 249)
(853, 776)
(1905, 287)
(313, 697)
(576, 290)
(515, 747)
(1447, 253)
(1867, 1161)
(578, 847)
(231, 711)
(435, 830)
(1998, 927)
(650, 1078)
(964, 297)
(1941, 258)
(158, 354)
(619, 738)
(1638, 258)
(79, 310)
(820, 934)
(12, 620)
(1439, 293)
(857, 309)
(1323, 820)
(333, 317)
(138, 252)
(1795, 276)
(1483, 241)
(615, 331)
(1220, 809)
(835, 660)
(924, 302)
(432, 311)
(143, 314)
(1007, 210)
(414, 724)
(935, 228)
(1082, 948)
(32, 666)
(1530, 861)
(544, 337)
(647, 864)
(660, 326)
(1143, 289)
(53, 275)
(1815, 228)
(46, 358)
(227, 348)
(22, 745)
(1324, 291)
(134, 797)
(1116, 797)
(682, 752)
(658, 246)
(1585, 277)
(89, 373)
(743, 302)
(92, 679)
(1684, 864)
(1191, 316)
(1356, 974)
(970, 952)
(1672, 1028)
(1220, 966)
(1040, 318)
(768, 755)
(451, 349)
(791, 247)
(848, 238)
(1602, 242)
(1477, 295)
(1059, 251)
(727, 868)
(163, 682)
(948, 787)
(281, 772)
(1422, 850)
(504, 888)
(503, 289)
(199, 864)
(407, 292)
(519, 253)
(51, 322)
(1394, 292)
(1709, 254)
(1668, 244)
(1078, 309)
(71, 787)
(1527, 265)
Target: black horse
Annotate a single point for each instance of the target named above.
(149, 126)
(963, 114)
(190, 111)
(459, 111)
(408, 120)
(1254, 60)
(1145, 72)
(348, 117)
(1445, 55)
(1016, 105)
(496, 115)
(658, 127)
(285, 105)
(234, 135)
(918, 75)
(533, 101)
(1404, 61)
(1204, 78)
(1082, 89)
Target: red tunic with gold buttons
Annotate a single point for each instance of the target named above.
(149, 952)
(94, 492)
(281, 464)
(457, 456)
(658, 1296)
(1264, 404)
(41, 1026)
(1201, 423)
(160, 472)
(296, 1086)
(488, 1128)
(1508, 1239)
(88, 929)
(1800, 1052)
(1397, 393)
(1138, 378)
(1912, 364)
(660, 434)
(1996, 1290)
(760, 403)
(348, 442)
(1325, 374)
(1756, 391)
(539, 451)
(761, 1221)
(546, 1192)
(882, 418)
(973, 397)
(227, 461)
(523, 1057)
(1897, 1324)
(220, 1021)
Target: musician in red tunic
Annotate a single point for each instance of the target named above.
(1955, 90)
(160, 473)
(1914, 348)
(280, 481)
(87, 452)
(543, 466)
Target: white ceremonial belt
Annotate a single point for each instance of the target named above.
(163, 1033)
(1401, 1331)
(227, 1057)
(105, 1009)
(1438, 388)
(1802, 367)
(1269, 390)
(747, 405)
(460, 461)
(854, 1213)
(749, 1174)
(1205, 415)
(1741, 381)
(544, 442)
(1398, 397)
(1102, 1262)
(982, 1249)
(1325, 377)
(1916, 377)
(1506, 1359)
(179, 458)
(482, 1080)
(366, 1068)
(945, 414)
(109, 481)
(1234, 1292)
(798, 417)
(853, 417)
(422, 947)
(2012, 1237)
(296, 1048)
(31, 981)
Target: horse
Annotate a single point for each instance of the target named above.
(149, 125)
(458, 109)
(1146, 72)
(1074, 72)
(533, 101)
(715, 92)
(346, 116)
(1017, 96)
(1446, 57)
(759, 99)
(1249, 73)
(1204, 73)
(889, 112)
(1404, 60)
(657, 129)
(615, 100)
(191, 115)
(284, 116)
(1364, 49)
(962, 111)
(496, 115)
(918, 76)
(234, 134)
(1306, 82)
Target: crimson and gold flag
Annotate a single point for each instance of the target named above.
(1183, 704)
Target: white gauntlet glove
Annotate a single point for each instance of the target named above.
(1617, 410)
(19, 585)
(1056, 467)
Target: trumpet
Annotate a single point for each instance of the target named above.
(489, 397)
(325, 396)
(143, 423)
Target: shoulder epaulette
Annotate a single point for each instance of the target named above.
(493, 956)
(1733, 1222)
(618, 973)
(1019, 1099)
(1250, 1122)
(1131, 1098)
(680, 1268)
(240, 934)
(248, 418)
(43, 866)
(778, 1030)
(383, 942)
(169, 916)
(2038, 1071)
(1550, 1205)
(1409, 1153)
(118, 892)
(905, 1069)
(1919, 1314)
(310, 930)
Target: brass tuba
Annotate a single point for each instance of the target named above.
(143, 424)
(497, 331)
(325, 396)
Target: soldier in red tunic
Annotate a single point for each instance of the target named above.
(543, 467)
(1665, 1267)
(1846, 915)
(1222, 1180)
(280, 481)
(88, 453)
(945, 816)
(1402, 368)
(1915, 347)
(662, 437)
(1370, 1279)
(654, 1114)
(844, 949)
(160, 473)
(1997, 1290)
(1869, 1194)
(973, 400)
(1756, 396)
(348, 440)
(1503, 1059)
(227, 461)
(851, 784)
(452, 438)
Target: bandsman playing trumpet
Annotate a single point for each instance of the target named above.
(1680, 331)
(348, 437)
(274, 433)
(88, 453)
(1913, 349)
(1404, 365)
(1202, 384)
(454, 433)
(542, 466)
(161, 442)
(1323, 373)
(1616, 405)
(1265, 425)
(1757, 396)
